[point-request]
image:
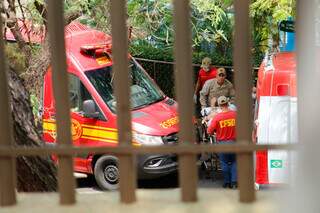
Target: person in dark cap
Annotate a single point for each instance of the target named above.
(216, 87)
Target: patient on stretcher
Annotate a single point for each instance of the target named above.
(208, 113)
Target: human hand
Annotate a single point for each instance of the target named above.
(204, 111)
(195, 98)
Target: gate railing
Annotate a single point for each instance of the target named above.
(186, 150)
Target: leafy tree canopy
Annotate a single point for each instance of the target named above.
(266, 15)
(152, 20)
(211, 22)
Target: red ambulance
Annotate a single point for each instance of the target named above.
(276, 117)
(93, 109)
(276, 110)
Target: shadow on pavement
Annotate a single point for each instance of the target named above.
(169, 181)
(206, 179)
(88, 182)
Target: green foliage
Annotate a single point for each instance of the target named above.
(266, 15)
(212, 25)
(142, 49)
(16, 60)
(153, 30)
(15, 57)
(145, 50)
(208, 22)
(211, 21)
(32, 12)
(153, 21)
(35, 104)
(95, 12)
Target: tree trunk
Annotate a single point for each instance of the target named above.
(33, 173)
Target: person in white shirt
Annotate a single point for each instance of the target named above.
(208, 113)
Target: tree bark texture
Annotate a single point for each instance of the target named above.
(33, 173)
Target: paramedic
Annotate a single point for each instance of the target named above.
(206, 72)
(210, 112)
(224, 125)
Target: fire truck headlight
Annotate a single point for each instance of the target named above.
(147, 140)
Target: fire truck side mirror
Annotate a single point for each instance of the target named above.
(89, 109)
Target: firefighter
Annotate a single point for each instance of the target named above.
(205, 73)
(224, 126)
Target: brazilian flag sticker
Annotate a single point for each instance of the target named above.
(276, 164)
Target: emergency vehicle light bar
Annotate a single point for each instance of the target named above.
(93, 48)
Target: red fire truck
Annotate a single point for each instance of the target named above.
(93, 109)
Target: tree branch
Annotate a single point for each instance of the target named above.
(42, 9)
(69, 17)
(12, 23)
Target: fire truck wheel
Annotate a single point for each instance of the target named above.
(106, 172)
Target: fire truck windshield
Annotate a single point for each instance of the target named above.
(143, 90)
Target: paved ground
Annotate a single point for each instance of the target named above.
(165, 196)
(88, 185)
(156, 200)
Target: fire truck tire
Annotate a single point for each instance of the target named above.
(106, 172)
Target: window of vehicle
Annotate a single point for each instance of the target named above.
(78, 93)
(143, 90)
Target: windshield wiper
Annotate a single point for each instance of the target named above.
(149, 103)
(156, 101)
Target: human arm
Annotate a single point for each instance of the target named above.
(211, 115)
(197, 88)
(212, 127)
(231, 93)
(254, 131)
(204, 93)
(196, 91)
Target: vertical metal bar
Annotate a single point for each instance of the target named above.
(243, 84)
(128, 179)
(308, 75)
(188, 177)
(184, 87)
(122, 83)
(7, 168)
(60, 89)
